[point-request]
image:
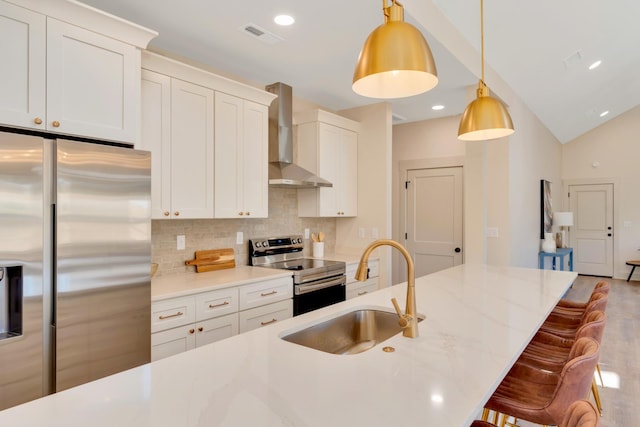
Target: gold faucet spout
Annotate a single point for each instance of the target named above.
(409, 320)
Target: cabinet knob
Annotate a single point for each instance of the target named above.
(176, 213)
(248, 213)
(200, 329)
(240, 213)
(166, 213)
(191, 331)
(37, 121)
(55, 123)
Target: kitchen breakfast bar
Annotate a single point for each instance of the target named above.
(478, 320)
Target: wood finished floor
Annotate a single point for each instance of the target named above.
(620, 351)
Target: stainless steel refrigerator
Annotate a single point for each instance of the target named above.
(75, 249)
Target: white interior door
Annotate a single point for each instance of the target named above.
(434, 218)
(591, 236)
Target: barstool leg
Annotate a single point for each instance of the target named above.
(485, 415)
(596, 395)
(599, 374)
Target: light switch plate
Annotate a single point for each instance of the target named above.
(374, 233)
(361, 233)
(239, 237)
(181, 242)
(491, 232)
(306, 233)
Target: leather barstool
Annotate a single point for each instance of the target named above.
(566, 325)
(543, 397)
(570, 307)
(550, 352)
(580, 413)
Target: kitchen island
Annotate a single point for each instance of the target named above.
(478, 320)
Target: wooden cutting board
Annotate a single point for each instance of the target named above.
(213, 259)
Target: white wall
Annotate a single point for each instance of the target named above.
(374, 186)
(616, 147)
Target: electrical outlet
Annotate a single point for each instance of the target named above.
(374, 232)
(181, 242)
(239, 237)
(361, 233)
(306, 233)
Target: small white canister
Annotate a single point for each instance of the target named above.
(318, 249)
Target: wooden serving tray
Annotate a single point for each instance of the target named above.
(213, 259)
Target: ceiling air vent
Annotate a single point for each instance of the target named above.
(260, 33)
(395, 118)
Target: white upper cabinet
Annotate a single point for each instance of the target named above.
(177, 127)
(60, 76)
(241, 158)
(210, 148)
(328, 147)
(22, 74)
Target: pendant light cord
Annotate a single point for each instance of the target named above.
(482, 37)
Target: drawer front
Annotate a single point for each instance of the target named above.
(216, 303)
(172, 341)
(265, 315)
(358, 289)
(265, 292)
(217, 329)
(374, 268)
(172, 313)
(351, 272)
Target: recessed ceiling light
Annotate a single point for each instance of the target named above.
(284, 20)
(604, 113)
(438, 107)
(595, 65)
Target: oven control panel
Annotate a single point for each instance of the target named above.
(294, 243)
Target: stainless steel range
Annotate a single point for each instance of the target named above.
(317, 282)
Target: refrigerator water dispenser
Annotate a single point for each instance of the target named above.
(10, 302)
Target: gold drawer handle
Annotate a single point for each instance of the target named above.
(269, 322)
(171, 315)
(362, 293)
(269, 293)
(218, 305)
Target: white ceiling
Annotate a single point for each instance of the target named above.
(541, 49)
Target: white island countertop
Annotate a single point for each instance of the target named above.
(478, 320)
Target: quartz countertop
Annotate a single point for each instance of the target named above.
(478, 320)
(176, 285)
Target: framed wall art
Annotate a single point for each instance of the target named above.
(546, 209)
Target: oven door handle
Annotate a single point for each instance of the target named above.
(304, 289)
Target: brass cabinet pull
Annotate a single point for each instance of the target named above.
(171, 315)
(176, 213)
(268, 293)
(219, 305)
(55, 123)
(362, 293)
(37, 121)
(268, 322)
(191, 331)
(166, 213)
(200, 329)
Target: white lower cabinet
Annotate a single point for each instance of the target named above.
(184, 323)
(356, 288)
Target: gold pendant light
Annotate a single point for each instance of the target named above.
(486, 117)
(395, 61)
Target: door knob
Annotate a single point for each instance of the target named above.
(457, 250)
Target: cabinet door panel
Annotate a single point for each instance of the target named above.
(173, 341)
(228, 162)
(156, 137)
(255, 171)
(93, 84)
(329, 161)
(265, 315)
(348, 172)
(22, 74)
(191, 150)
(216, 329)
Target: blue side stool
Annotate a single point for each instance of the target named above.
(560, 253)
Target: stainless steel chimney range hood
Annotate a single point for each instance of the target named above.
(282, 171)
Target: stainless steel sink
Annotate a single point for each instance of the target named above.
(350, 333)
